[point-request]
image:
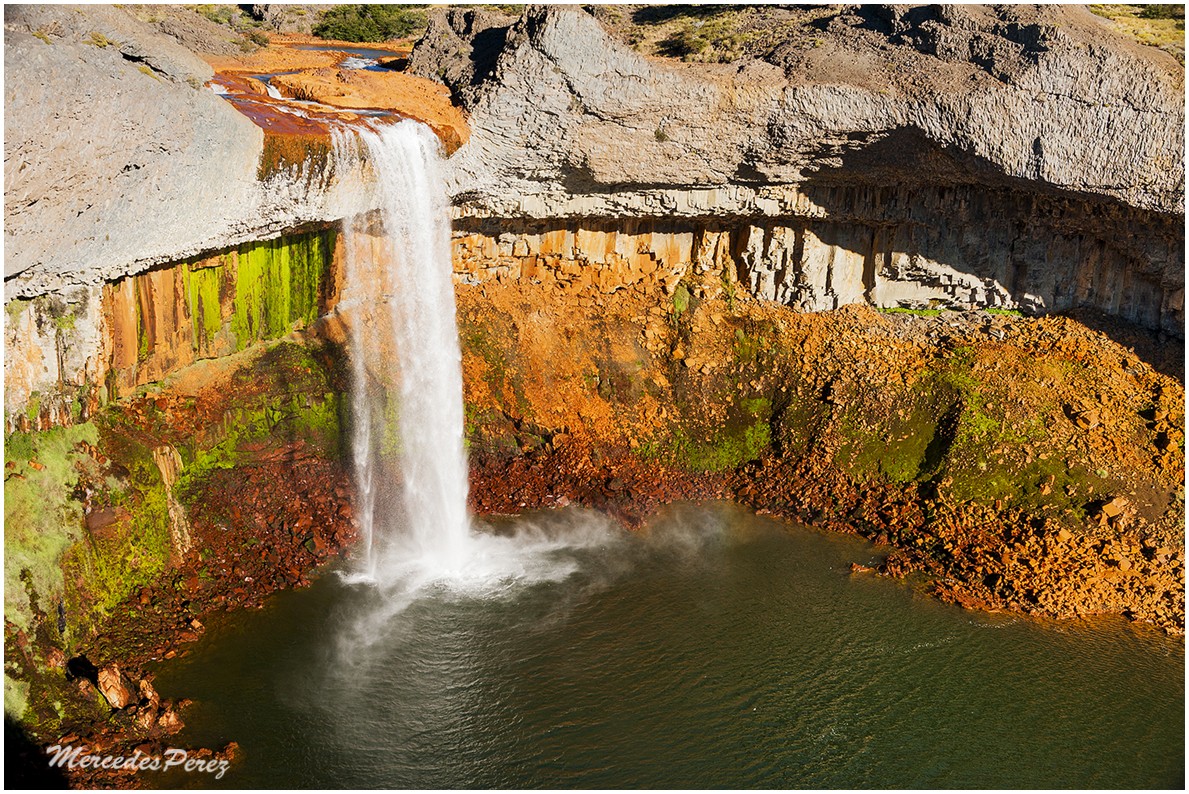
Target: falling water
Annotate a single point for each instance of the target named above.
(410, 463)
(407, 414)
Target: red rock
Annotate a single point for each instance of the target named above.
(147, 693)
(146, 717)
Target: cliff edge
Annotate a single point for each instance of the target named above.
(1015, 157)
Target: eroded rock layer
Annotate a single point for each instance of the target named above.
(908, 248)
(1016, 157)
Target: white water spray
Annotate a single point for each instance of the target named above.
(407, 435)
(409, 459)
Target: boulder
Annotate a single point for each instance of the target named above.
(115, 687)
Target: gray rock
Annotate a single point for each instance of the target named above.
(460, 48)
(290, 17)
(569, 110)
(117, 157)
(1009, 156)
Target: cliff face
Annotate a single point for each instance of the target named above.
(925, 96)
(117, 157)
(1017, 157)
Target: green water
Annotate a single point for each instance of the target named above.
(717, 650)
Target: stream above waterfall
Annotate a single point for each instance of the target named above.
(715, 648)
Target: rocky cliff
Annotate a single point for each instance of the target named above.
(1014, 156)
(641, 251)
(118, 157)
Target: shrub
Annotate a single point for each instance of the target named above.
(714, 39)
(1163, 12)
(363, 23)
(219, 14)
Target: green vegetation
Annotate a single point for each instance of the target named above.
(33, 407)
(143, 69)
(41, 517)
(130, 556)
(362, 23)
(1157, 25)
(277, 285)
(743, 438)
(220, 14)
(15, 308)
(913, 312)
(297, 402)
(973, 421)
(950, 426)
(935, 312)
(285, 417)
(97, 39)
(203, 286)
(729, 291)
(41, 34)
(681, 298)
(501, 374)
(713, 39)
(1163, 11)
(16, 697)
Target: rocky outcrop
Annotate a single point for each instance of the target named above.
(997, 249)
(289, 17)
(95, 186)
(966, 95)
(940, 143)
(460, 49)
(69, 354)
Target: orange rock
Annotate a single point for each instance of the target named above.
(115, 687)
(415, 97)
(1114, 507)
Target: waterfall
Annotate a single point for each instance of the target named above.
(407, 416)
(406, 437)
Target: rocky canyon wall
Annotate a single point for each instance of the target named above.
(956, 247)
(119, 157)
(1014, 157)
(66, 355)
(1010, 157)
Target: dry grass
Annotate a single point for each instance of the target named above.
(1160, 26)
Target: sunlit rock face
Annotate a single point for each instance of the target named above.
(916, 157)
(118, 157)
(1016, 157)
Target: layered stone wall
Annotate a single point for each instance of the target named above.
(924, 248)
(949, 248)
(68, 354)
